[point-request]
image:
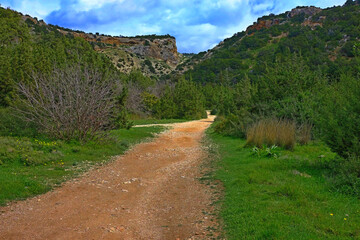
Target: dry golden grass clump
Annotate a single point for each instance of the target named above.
(304, 133)
(272, 132)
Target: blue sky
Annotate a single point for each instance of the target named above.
(197, 24)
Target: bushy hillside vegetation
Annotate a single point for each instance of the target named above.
(302, 67)
(26, 47)
(323, 38)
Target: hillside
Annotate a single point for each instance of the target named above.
(154, 55)
(27, 47)
(324, 38)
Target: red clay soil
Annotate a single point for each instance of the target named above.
(151, 192)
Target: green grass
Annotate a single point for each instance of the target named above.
(157, 121)
(57, 161)
(274, 198)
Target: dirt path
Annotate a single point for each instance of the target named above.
(151, 192)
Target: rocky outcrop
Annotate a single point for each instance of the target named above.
(161, 48)
(153, 55)
(260, 24)
(307, 11)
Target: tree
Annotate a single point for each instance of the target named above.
(189, 100)
(351, 2)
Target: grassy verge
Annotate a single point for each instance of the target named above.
(286, 197)
(34, 166)
(157, 121)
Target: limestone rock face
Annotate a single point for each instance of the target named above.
(153, 55)
(310, 11)
(260, 24)
(307, 11)
(162, 48)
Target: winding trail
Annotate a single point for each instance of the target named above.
(151, 192)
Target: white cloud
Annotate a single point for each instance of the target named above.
(90, 4)
(36, 8)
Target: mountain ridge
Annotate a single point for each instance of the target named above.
(323, 35)
(154, 55)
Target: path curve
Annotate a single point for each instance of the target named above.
(151, 192)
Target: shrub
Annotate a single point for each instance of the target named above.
(339, 116)
(214, 112)
(271, 132)
(344, 175)
(233, 125)
(10, 125)
(70, 103)
(146, 43)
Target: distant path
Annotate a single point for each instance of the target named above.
(151, 192)
(156, 124)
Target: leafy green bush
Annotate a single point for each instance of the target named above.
(214, 112)
(10, 125)
(344, 175)
(185, 101)
(339, 116)
(232, 125)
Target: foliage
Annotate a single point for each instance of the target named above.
(263, 197)
(166, 107)
(121, 115)
(189, 100)
(149, 100)
(153, 36)
(288, 89)
(184, 101)
(265, 151)
(339, 116)
(344, 175)
(26, 47)
(284, 67)
(12, 125)
(232, 125)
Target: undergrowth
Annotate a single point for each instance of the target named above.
(281, 194)
(271, 132)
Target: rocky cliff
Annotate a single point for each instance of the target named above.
(306, 12)
(154, 55)
(158, 47)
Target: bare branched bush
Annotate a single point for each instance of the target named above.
(272, 132)
(71, 103)
(134, 101)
